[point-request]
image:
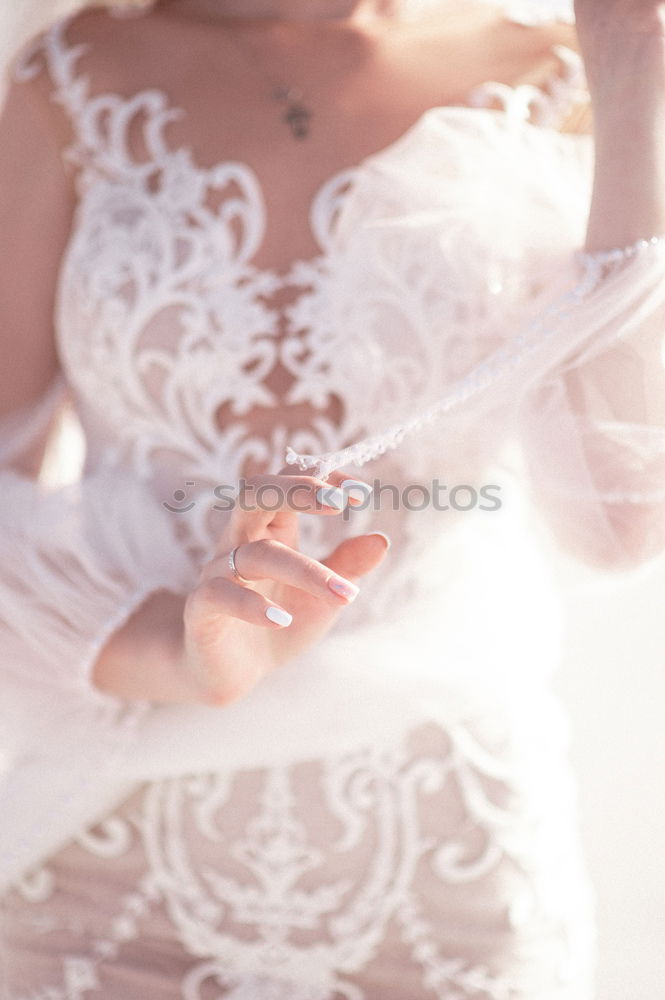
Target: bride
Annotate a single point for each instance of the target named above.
(315, 276)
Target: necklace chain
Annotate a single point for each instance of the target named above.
(296, 113)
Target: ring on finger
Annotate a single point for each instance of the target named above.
(234, 568)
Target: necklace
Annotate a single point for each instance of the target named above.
(295, 112)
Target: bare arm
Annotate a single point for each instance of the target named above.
(36, 206)
(623, 45)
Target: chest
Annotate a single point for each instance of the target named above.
(299, 106)
(166, 318)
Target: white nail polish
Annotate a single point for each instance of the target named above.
(330, 496)
(344, 588)
(356, 490)
(382, 535)
(278, 616)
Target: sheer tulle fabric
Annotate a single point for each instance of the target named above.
(561, 311)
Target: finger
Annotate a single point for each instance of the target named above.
(270, 495)
(356, 491)
(269, 559)
(355, 557)
(275, 501)
(216, 598)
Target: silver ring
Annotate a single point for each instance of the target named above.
(234, 568)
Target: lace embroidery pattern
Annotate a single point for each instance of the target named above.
(279, 919)
(186, 263)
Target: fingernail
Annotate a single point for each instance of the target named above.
(343, 588)
(279, 616)
(356, 490)
(330, 496)
(382, 535)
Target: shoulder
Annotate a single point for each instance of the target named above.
(533, 53)
(95, 43)
(544, 60)
(555, 67)
(52, 76)
(541, 59)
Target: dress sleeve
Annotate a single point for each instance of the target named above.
(76, 562)
(593, 425)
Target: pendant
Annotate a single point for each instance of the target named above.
(297, 115)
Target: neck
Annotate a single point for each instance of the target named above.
(283, 10)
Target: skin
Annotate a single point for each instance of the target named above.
(623, 44)
(214, 645)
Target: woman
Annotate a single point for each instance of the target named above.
(249, 754)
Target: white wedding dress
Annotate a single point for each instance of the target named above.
(392, 816)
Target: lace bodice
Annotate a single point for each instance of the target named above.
(192, 365)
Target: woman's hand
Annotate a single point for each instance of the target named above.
(236, 632)
(215, 645)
